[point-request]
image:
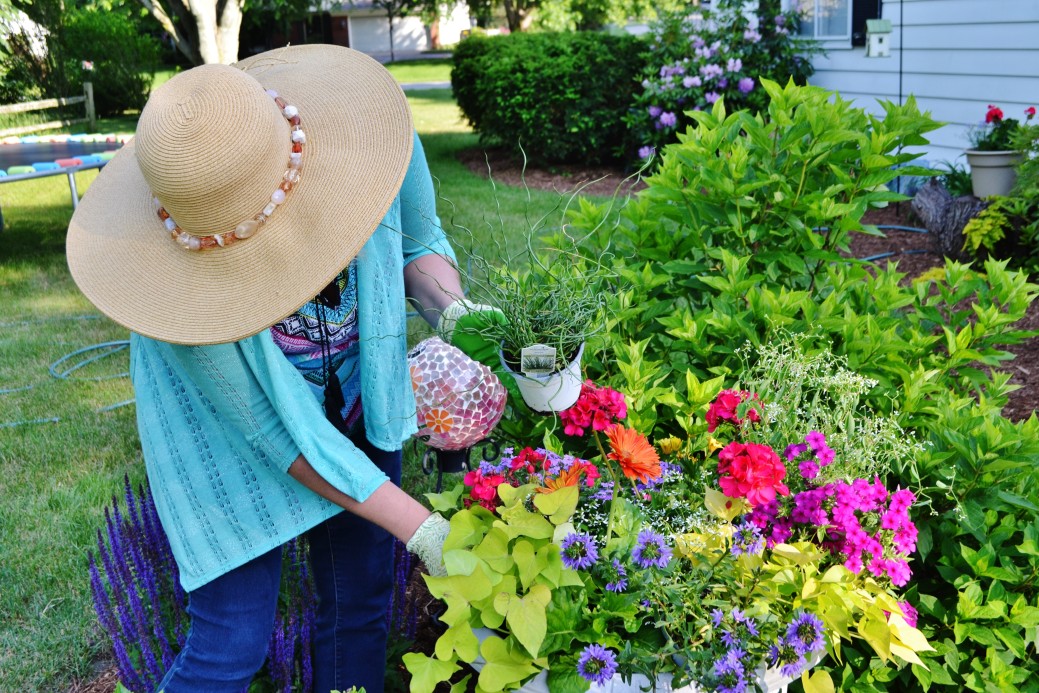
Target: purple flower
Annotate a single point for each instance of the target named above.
(597, 664)
(651, 550)
(654, 111)
(647, 151)
(712, 96)
(751, 35)
(734, 65)
(746, 85)
(716, 617)
(692, 81)
(618, 581)
(668, 119)
(747, 539)
(579, 551)
(809, 469)
(805, 633)
(816, 439)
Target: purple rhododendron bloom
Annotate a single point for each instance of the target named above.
(668, 119)
(734, 65)
(647, 151)
(597, 664)
(654, 111)
(746, 85)
(692, 81)
(751, 35)
(712, 96)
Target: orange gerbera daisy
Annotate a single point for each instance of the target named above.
(567, 477)
(636, 457)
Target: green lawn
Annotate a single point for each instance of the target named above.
(421, 70)
(63, 455)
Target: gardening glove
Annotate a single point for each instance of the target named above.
(466, 325)
(428, 543)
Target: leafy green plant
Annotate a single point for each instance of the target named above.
(559, 96)
(987, 229)
(726, 246)
(955, 177)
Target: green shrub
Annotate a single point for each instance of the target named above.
(561, 97)
(738, 236)
(124, 59)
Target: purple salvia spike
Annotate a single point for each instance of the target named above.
(116, 590)
(306, 640)
(103, 607)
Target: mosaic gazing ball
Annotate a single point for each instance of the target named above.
(459, 400)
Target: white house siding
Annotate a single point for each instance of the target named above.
(954, 56)
(371, 34)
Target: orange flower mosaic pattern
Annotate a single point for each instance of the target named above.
(439, 421)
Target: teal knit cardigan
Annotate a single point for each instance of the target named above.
(220, 424)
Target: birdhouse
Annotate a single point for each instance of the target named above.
(878, 38)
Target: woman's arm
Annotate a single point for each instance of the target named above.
(432, 283)
(388, 506)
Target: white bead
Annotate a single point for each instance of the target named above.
(219, 238)
(290, 111)
(194, 242)
(298, 136)
(271, 93)
(156, 203)
(278, 196)
(292, 175)
(246, 228)
(182, 238)
(295, 159)
(170, 224)
(269, 209)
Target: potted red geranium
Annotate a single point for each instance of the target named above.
(992, 156)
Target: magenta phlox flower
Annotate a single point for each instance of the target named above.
(816, 439)
(597, 664)
(808, 469)
(909, 613)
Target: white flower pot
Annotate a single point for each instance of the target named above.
(992, 173)
(550, 393)
(770, 679)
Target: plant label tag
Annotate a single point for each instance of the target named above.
(537, 359)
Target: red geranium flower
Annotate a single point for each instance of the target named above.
(994, 115)
(751, 471)
(1030, 112)
(724, 408)
(597, 408)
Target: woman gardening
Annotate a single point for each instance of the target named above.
(258, 237)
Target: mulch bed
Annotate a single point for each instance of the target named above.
(911, 250)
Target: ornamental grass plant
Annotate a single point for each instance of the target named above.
(722, 559)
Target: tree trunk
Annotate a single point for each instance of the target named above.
(944, 217)
(228, 28)
(392, 56)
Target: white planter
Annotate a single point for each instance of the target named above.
(550, 393)
(771, 679)
(992, 173)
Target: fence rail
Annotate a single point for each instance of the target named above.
(87, 99)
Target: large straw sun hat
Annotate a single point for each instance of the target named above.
(230, 209)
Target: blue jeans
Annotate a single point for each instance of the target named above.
(232, 617)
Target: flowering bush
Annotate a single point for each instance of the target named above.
(684, 567)
(697, 59)
(997, 133)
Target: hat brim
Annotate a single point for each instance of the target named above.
(359, 143)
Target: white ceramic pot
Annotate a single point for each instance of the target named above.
(770, 679)
(992, 173)
(554, 392)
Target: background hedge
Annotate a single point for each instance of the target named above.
(562, 97)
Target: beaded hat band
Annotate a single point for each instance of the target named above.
(221, 153)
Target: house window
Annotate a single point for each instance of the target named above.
(837, 20)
